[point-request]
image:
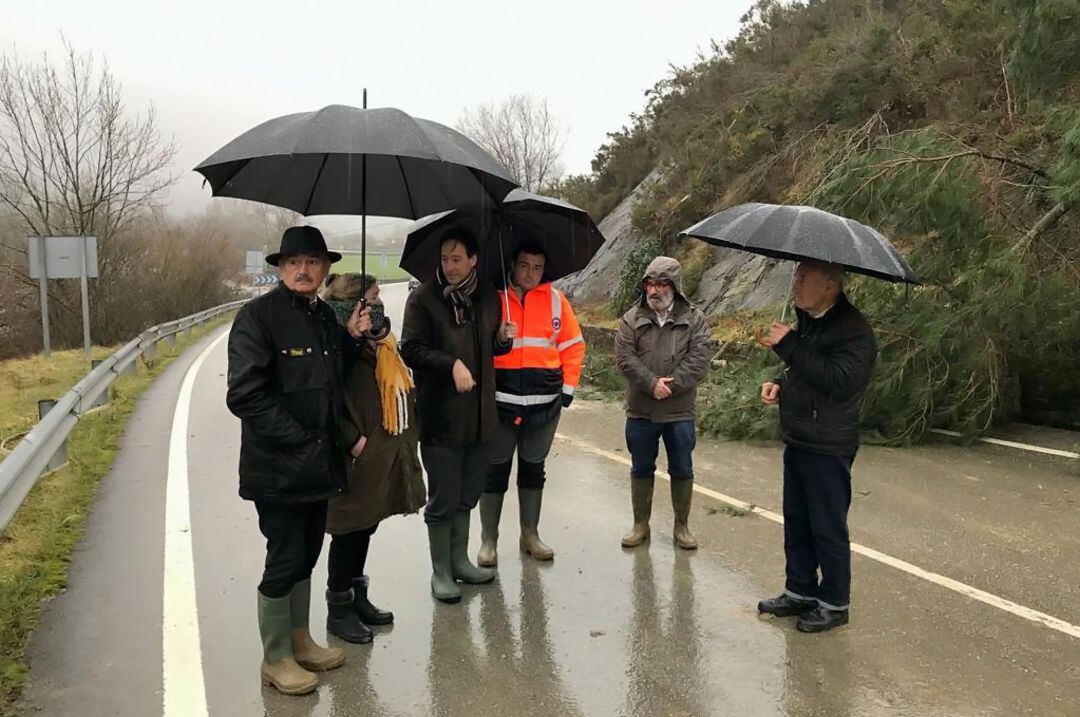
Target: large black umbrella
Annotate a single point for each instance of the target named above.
(345, 160)
(797, 233)
(568, 233)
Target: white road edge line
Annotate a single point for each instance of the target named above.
(1010, 444)
(183, 686)
(955, 585)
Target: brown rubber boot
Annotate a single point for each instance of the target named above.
(529, 501)
(682, 494)
(490, 511)
(641, 492)
(279, 670)
(308, 653)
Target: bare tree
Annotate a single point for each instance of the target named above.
(522, 134)
(73, 160)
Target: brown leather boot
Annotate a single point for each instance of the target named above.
(279, 670)
(682, 494)
(308, 653)
(641, 492)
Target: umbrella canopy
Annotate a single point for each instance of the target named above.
(797, 233)
(319, 163)
(568, 234)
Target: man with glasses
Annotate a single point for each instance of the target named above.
(662, 349)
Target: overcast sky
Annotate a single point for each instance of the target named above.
(213, 69)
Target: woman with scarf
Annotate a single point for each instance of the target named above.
(450, 337)
(384, 476)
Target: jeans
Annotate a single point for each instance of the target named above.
(643, 442)
(294, 538)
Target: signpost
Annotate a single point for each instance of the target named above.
(264, 279)
(64, 257)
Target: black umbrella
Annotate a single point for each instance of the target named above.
(568, 233)
(345, 160)
(797, 233)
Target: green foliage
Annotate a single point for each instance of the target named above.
(953, 127)
(730, 403)
(633, 270)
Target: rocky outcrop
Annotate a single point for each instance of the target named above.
(736, 281)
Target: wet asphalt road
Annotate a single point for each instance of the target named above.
(601, 630)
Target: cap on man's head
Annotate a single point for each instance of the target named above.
(302, 240)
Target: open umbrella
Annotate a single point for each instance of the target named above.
(347, 160)
(798, 233)
(568, 233)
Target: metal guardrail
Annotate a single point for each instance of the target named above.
(34, 455)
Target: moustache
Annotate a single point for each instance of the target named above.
(303, 278)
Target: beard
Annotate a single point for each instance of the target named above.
(661, 302)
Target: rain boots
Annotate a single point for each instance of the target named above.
(490, 511)
(342, 620)
(443, 587)
(461, 568)
(307, 653)
(368, 613)
(682, 494)
(641, 493)
(529, 501)
(279, 669)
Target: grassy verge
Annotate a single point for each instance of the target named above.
(36, 547)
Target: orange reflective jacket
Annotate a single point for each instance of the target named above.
(545, 361)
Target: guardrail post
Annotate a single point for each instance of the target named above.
(187, 331)
(170, 339)
(149, 351)
(131, 369)
(103, 399)
(60, 457)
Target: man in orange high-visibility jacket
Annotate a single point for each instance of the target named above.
(533, 383)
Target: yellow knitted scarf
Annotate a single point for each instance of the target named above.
(395, 382)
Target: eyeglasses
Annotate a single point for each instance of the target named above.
(650, 284)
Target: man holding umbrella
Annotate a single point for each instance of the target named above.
(449, 337)
(829, 358)
(286, 366)
(533, 383)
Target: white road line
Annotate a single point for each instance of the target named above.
(946, 582)
(1011, 444)
(183, 688)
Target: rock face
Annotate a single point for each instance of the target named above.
(737, 281)
(599, 281)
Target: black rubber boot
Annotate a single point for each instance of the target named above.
(342, 620)
(368, 613)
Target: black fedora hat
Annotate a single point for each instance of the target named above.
(302, 240)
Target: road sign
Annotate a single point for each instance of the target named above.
(264, 279)
(63, 257)
(254, 262)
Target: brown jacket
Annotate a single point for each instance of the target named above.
(646, 351)
(386, 479)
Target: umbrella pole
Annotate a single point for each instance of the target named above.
(363, 207)
(503, 269)
(787, 299)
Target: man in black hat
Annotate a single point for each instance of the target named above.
(286, 366)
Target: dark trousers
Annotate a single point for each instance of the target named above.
(817, 495)
(294, 537)
(643, 442)
(455, 479)
(348, 555)
(532, 443)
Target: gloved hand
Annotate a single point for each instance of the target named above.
(567, 399)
